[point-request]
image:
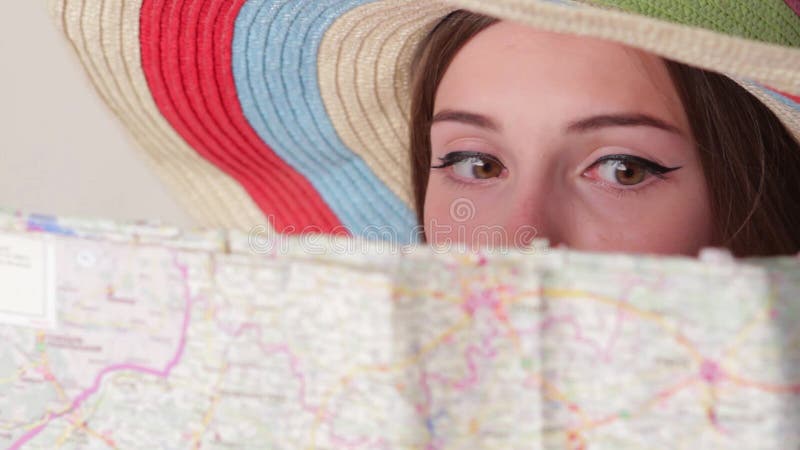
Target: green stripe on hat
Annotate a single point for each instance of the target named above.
(769, 21)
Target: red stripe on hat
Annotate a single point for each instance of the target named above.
(794, 98)
(186, 57)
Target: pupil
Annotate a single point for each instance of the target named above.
(627, 174)
(485, 170)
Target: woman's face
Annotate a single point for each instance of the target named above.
(580, 141)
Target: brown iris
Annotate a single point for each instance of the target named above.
(629, 173)
(472, 165)
(484, 169)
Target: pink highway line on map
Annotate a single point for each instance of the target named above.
(487, 351)
(572, 323)
(474, 352)
(294, 364)
(83, 396)
(294, 360)
(297, 373)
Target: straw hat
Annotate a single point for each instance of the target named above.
(295, 112)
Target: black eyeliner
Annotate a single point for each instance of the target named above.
(456, 157)
(652, 167)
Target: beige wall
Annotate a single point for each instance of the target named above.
(61, 150)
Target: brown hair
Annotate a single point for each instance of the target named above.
(750, 160)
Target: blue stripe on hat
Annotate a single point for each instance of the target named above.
(777, 96)
(275, 48)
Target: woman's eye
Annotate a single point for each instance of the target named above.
(475, 167)
(471, 165)
(627, 170)
(620, 172)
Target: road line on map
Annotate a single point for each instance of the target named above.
(209, 415)
(78, 401)
(79, 422)
(414, 359)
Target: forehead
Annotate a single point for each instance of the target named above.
(509, 68)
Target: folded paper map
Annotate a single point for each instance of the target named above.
(137, 336)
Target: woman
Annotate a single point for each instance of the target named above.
(593, 145)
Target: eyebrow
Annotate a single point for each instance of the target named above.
(578, 126)
(621, 120)
(465, 117)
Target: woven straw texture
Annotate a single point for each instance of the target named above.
(105, 36)
(295, 112)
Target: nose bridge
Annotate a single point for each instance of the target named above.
(537, 210)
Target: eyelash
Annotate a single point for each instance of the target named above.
(456, 157)
(453, 158)
(651, 167)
